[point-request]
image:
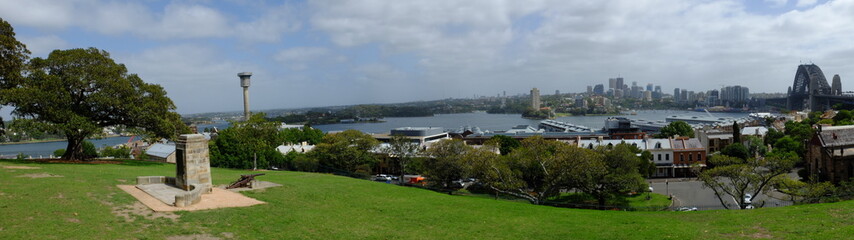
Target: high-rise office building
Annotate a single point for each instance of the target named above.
(599, 89)
(676, 93)
(619, 82)
(612, 83)
(649, 87)
(535, 98)
(734, 94)
(683, 97)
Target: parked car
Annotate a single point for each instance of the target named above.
(686, 209)
(382, 178)
(747, 198)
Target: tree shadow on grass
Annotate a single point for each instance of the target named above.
(130, 162)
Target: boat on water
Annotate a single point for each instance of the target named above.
(722, 109)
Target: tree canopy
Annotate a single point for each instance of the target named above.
(346, 152)
(81, 91)
(13, 59)
(736, 177)
(676, 128)
(404, 150)
(447, 164)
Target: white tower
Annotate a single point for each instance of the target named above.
(244, 82)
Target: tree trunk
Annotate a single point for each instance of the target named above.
(601, 200)
(74, 150)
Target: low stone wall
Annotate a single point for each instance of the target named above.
(193, 196)
(143, 180)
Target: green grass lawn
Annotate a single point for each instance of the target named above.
(85, 204)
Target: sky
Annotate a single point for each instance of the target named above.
(323, 53)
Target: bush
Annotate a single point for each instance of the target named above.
(59, 152)
(118, 152)
(89, 150)
(736, 150)
(304, 163)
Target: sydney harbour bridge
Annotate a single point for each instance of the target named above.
(811, 92)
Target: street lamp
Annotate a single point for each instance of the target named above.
(667, 186)
(648, 197)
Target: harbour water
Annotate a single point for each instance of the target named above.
(501, 122)
(45, 149)
(485, 121)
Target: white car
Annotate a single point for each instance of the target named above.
(747, 198)
(382, 178)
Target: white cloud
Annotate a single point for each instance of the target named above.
(269, 26)
(41, 13)
(41, 46)
(299, 58)
(475, 45)
(806, 3)
(777, 3)
(190, 21)
(196, 77)
(177, 20)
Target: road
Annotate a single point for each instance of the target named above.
(692, 193)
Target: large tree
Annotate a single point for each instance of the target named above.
(543, 167)
(347, 152)
(13, 59)
(735, 177)
(248, 144)
(81, 91)
(676, 128)
(447, 163)
(619, 174)
(404, 149)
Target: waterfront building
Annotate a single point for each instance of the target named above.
(424, 136)
(621, 128)
(568, 137)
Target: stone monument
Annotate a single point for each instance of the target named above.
(193, 163)
(192, 178)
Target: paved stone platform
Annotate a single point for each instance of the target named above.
(218, 198)
(260, 185)
(164, 192)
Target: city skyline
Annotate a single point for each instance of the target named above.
(310, 54)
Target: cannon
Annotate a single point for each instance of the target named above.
(244, 181)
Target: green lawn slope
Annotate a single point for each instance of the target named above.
(80, 201)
